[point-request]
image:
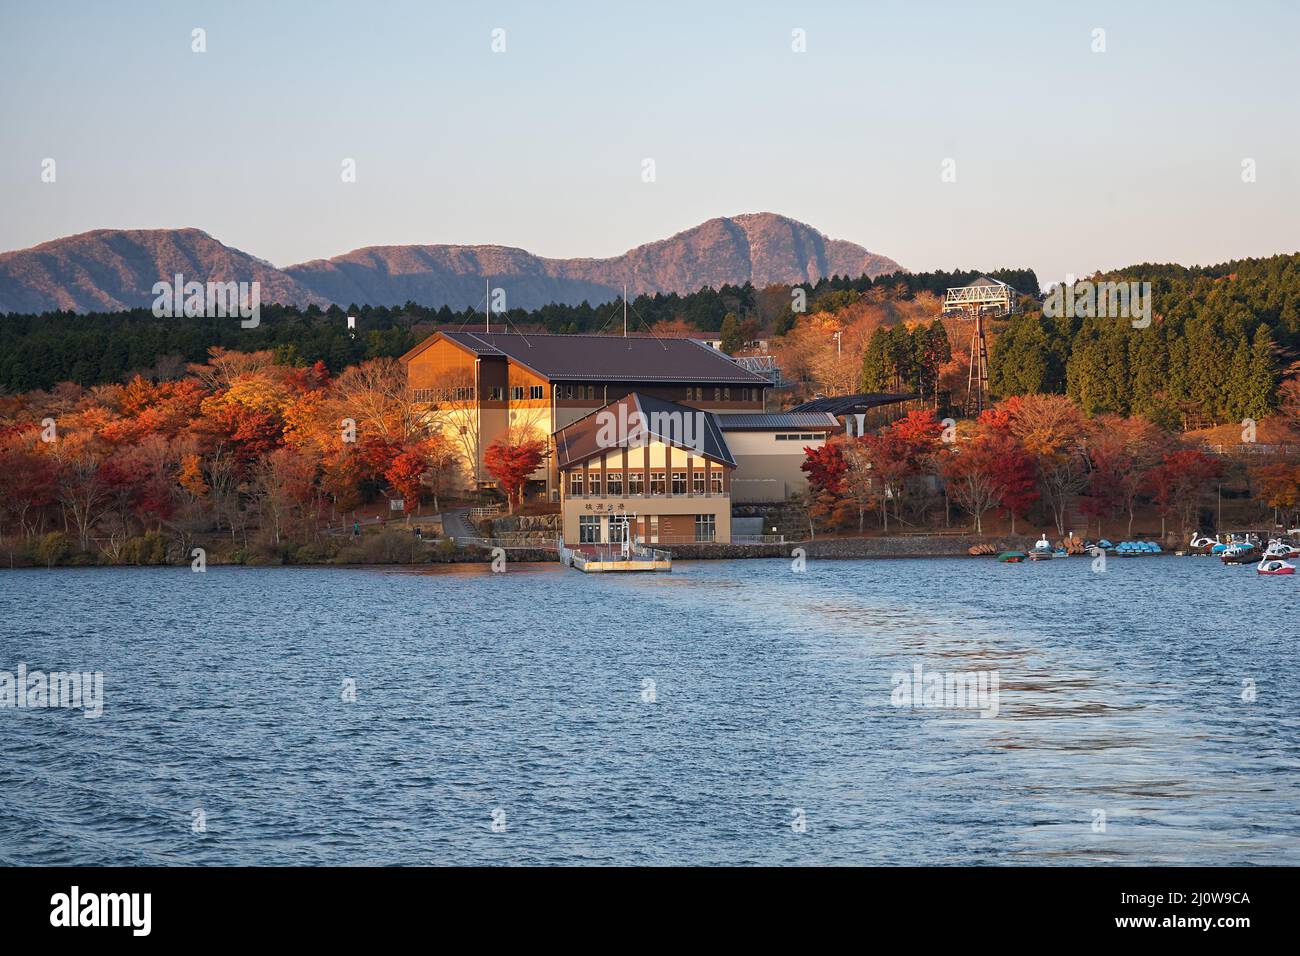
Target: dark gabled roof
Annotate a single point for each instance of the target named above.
(687, 428)
(776, 421)
(983, 281)
(605, 358)
(853, 404)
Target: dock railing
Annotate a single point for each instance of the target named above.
(606, 553)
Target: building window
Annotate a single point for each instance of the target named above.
(591, 393)
(717, 394)
(617, 528)
(705, 528)
(636, 483)
(593, 482)
(716, 478)
(657, 483)
(517, 393)
(575, 484)
(654, 529)
(496, 393)
(589, 529)
(535, 391)
(697, 483)
(614, 483)
(679, 482)
(726, 394)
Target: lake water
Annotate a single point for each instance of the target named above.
(770, 737)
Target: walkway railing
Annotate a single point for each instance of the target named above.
(540, 544)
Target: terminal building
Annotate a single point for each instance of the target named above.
(691, 432)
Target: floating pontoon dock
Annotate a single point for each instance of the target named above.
(602, 558)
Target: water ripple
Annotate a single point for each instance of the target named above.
(1119, 694)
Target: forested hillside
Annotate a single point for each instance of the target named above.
(38, 351)
(1220, 339)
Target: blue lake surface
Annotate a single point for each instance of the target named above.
(524, 694)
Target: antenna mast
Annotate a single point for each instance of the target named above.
(624, 310)
(487, 305)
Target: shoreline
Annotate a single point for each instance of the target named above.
(894, 547)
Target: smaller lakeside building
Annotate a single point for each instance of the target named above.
(671, 473)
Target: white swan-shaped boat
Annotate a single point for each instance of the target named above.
(1277, 548)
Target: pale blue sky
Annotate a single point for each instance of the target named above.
(1067, 160)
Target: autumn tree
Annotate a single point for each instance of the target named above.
(1016, 475)
(858, 486)
(1179, 485)
(826, 466)
(973, 477)
(406, 476)
(891, 459)
(27, 478)
(1052, 430)
(510, 464)
(1277, 485)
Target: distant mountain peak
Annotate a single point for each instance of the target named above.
(111, 269)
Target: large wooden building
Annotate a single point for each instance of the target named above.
(667, 433)
(484, 386)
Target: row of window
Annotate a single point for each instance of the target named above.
(636, 483)
(706, 529)
(698, 393)
(460, 394)
(806, 436)
(497, 393)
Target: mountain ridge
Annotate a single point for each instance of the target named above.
(108, 269)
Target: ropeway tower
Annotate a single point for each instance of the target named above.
(981, 298)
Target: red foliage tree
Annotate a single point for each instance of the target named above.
(920, 429)
(406, 475)
(510, 463)
(27, 478)
(971, 475)
(1179, 483)
(1016, 475)
(825, 466)
(893, 457)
